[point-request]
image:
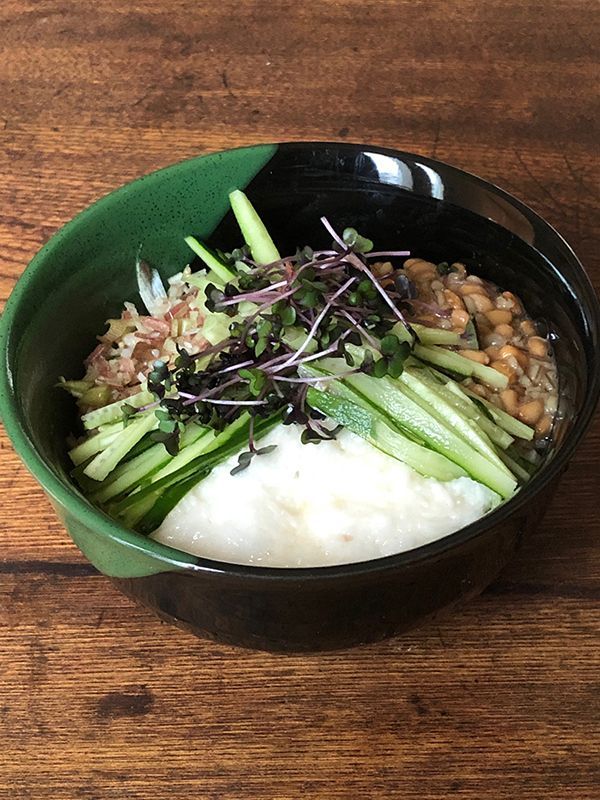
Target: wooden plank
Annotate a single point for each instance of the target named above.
(105, 699)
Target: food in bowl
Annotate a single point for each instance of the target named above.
(401, 199)
(429, 391)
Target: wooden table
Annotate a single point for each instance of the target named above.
(98, 700)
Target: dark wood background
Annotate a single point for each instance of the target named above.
(98, 700)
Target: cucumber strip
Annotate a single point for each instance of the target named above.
(165, 503)
(133, 472)
(95, 444)
(453, 394)
(371, 425)
(145, 443)
(189, 462)
(202, 446)
(529, 458)
(136, 511)
(515, 467)
(114, 411)
(108, 459)
(230, 441)
(253, 229)
(443, 384)
(511, 425)
(87, 485)
(221, 270)
(500, 418)
(433, 402)
(403, 408)
(107, 427)
(429, 336)
(403, 333)
(497, 435)
(447, 359)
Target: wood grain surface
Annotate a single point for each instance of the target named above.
(98, 700)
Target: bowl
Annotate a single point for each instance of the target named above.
(85, 272)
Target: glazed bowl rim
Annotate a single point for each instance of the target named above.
(77, 506)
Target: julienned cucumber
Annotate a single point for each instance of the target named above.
(515, 467)
(95, 444)
(108, 459)
(406, 409)
(454, 395)
(494, 415)
(114, 411)
(449, 391)
(454, 362)
(511, 425)
(406, 412)
(229, 442)
(130, 474)
(446, 412)
(184, 465)
(205, 444)
(220, 269)
(429, 336)
(159, 509)
(372, 426)
(253, 229)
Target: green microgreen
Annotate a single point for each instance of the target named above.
(169, 431)
(127, 412)
(246, 457)
(358, 243)
(256, 379)
(322, 300)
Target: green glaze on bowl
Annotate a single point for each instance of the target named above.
(77, 281)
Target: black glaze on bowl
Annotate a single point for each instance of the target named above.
(438, 212)
(332, 609)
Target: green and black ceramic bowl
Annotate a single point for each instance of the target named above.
(83, 275)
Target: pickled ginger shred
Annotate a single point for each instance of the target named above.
(134, 341)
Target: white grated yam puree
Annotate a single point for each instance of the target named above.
(337, 502)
